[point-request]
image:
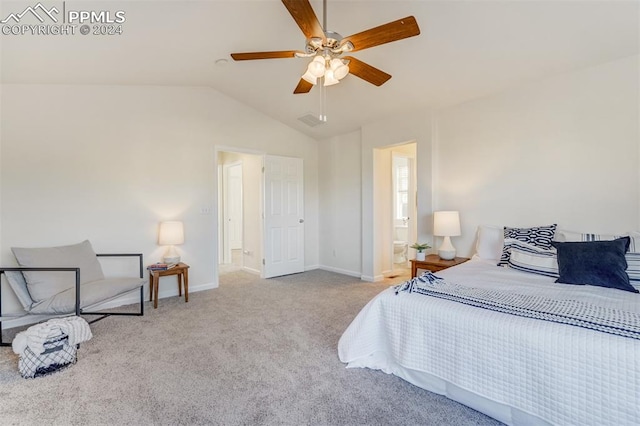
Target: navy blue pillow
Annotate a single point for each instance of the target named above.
(599, 263)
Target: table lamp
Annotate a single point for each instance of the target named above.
(446, 224)
(171, 233)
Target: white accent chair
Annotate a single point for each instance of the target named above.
(66, 280)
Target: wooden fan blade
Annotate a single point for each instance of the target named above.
(305, 17)
(393, 31)
(264, 55)
(303, 87)
(366, 72)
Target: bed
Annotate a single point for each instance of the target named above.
(516, 369)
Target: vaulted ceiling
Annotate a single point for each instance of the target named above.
(466, 49)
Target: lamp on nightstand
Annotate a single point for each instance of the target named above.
(170, 234)
(446, 224)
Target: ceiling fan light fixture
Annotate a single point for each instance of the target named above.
(335, 63)
(340, 70)
(309, 77)
(329, 78)
(316, 67)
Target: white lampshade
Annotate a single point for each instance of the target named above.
(317, 66)
(307, 76)
(171, 233)
(329, 78)
(446, 224)
(340, 70)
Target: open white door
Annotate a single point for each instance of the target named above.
(283, 216)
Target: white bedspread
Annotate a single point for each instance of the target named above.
(562, 374)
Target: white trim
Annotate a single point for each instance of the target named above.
(341, 271)
(372, 279)
(251, 270)
(173, 291)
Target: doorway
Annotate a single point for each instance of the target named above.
(260, 214)
(395, 208)
(239, 212)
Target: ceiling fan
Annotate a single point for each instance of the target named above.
(327, 47)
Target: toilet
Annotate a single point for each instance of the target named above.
(400, 251)
(400, 244)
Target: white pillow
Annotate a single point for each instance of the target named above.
(529, 258)
(490, 242)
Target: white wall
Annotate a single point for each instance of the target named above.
(400, 129)
(345, 194)
(564, 150)
(341, 217)
(107, 163)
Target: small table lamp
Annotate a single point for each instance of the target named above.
(171, 233)
(446, 224)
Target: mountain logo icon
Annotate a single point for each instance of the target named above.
(39, 11)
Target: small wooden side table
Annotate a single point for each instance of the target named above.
(181, 270)
(433, 263)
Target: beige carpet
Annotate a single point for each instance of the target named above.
(252, 352)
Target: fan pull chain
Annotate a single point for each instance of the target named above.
(323, 104)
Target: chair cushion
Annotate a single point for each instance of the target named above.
(43, 285)
(91, 293)
(19, 286)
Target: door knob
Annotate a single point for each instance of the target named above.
(301, 220)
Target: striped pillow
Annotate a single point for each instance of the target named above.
(529, 258)
(632, 256)
(539, 236)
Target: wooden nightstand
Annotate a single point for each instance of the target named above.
(182, 272)
(433, 263)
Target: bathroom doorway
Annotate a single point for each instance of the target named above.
(403, 207)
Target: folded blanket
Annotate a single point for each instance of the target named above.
(565, 311)
(76, 328)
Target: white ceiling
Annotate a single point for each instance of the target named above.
(466, 49)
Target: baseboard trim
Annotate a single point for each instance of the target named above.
(341, 271)
(174, 290)
(251, 270)
(372, 279)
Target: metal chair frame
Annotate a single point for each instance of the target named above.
(78, 310)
